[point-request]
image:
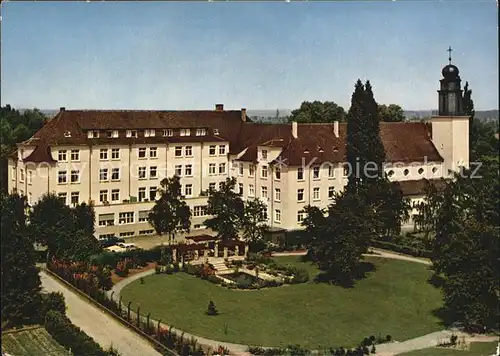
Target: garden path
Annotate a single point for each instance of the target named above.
(105, 330)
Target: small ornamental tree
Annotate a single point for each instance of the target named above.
(170, 213)
(227, 209)
(253, 222)
(211, 309)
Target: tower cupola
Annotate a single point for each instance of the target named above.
(450, 93)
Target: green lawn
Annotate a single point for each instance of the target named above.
(34, 342)
(476, 349)
(395, 299)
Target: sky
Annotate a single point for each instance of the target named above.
(255, 55)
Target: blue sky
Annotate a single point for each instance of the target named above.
(258, 55)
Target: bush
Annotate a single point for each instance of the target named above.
(374, 350)
(105, 259)
(300, 275)
(407, 250)
(53, 301)
(70, 336)
(211, 309)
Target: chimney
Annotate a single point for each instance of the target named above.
(243, 114)
(219, 107)
(336, 129)
(62, 108)
(294, 129)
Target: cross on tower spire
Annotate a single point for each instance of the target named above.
(449, 50)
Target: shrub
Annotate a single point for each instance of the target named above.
(53, 301)
(374, 350)
(214, 279)
(300, 275)
(388, 338)
(105, 259)
(211, 309)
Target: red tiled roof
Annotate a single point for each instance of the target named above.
(417, 187)
(404, 142)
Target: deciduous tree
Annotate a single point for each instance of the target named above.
(253, 224)
(317, 111)
(391, 113)
(170, 213)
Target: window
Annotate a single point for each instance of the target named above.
(316, 193)
(222, 168)
(331, 192)
(222, 149)
(251, 190)
(62, 177)
(75, 176)
(150, 133)
(142, 173)
(115, 195)
(251, 170)
(216, 132)
(141, 152)
(346, 170)
(200, 210)
(21, 175)
(152, 193)
(168, 132)
(141, 194)
(62, 197)
(211, 168)
(277, 215)
(240, 169)
(153, 172)
(263, 192)
(211, 150)
(126, 218)
(185, 132)
(264, 154)
(153, 152)
(30, 177)
(421, 171)
(126, 234)
(75, 198)
(93, 134)
(112, 134)
(131, 133)
(201, 132)
(300, 216)
(316, 172)
(75, 155)
(240, 188)
(263, 172)
(264, 213)
(406, 172)
(434, 170)
(331, 171)
(277, 194)
(106, 219)
(146, 232)
(390, 173)
(115, 174)
(188, 151)
(300, 173)
(103, 154)
(103, 196)
(115, 153)
(178, 170)
(300, 194)
(188, 190)
(103, 174)
(62, 155)
(143, 215)
(188, 170)
(14, 173)
(277, 173)
(178, 151)
(211, 186)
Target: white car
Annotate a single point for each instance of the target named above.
(127, 246)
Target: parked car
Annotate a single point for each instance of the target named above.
(110, 241)
(127, 246)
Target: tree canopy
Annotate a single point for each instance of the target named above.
(318, 111)
(170, 213)
(391, 113)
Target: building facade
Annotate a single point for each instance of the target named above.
(116, 159)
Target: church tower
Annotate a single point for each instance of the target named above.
(450, 128)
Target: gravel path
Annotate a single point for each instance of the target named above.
(103, 328)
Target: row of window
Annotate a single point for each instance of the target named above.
(21, 175)
(277, 193)
(74, 155)
(147, 133)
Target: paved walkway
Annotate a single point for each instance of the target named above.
(104, 329)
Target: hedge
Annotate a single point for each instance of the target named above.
(407, 250)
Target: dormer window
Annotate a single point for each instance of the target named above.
(131, 133)
(185, 132)
(306, 151)
(201, 132)
(335, 149)
(264, 154)
(112, 133)
(216, 132)
(168, 132)
(149, 133)
(67, 134)
(320, 150)
(93, 134)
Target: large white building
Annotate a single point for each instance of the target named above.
(116, 159)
